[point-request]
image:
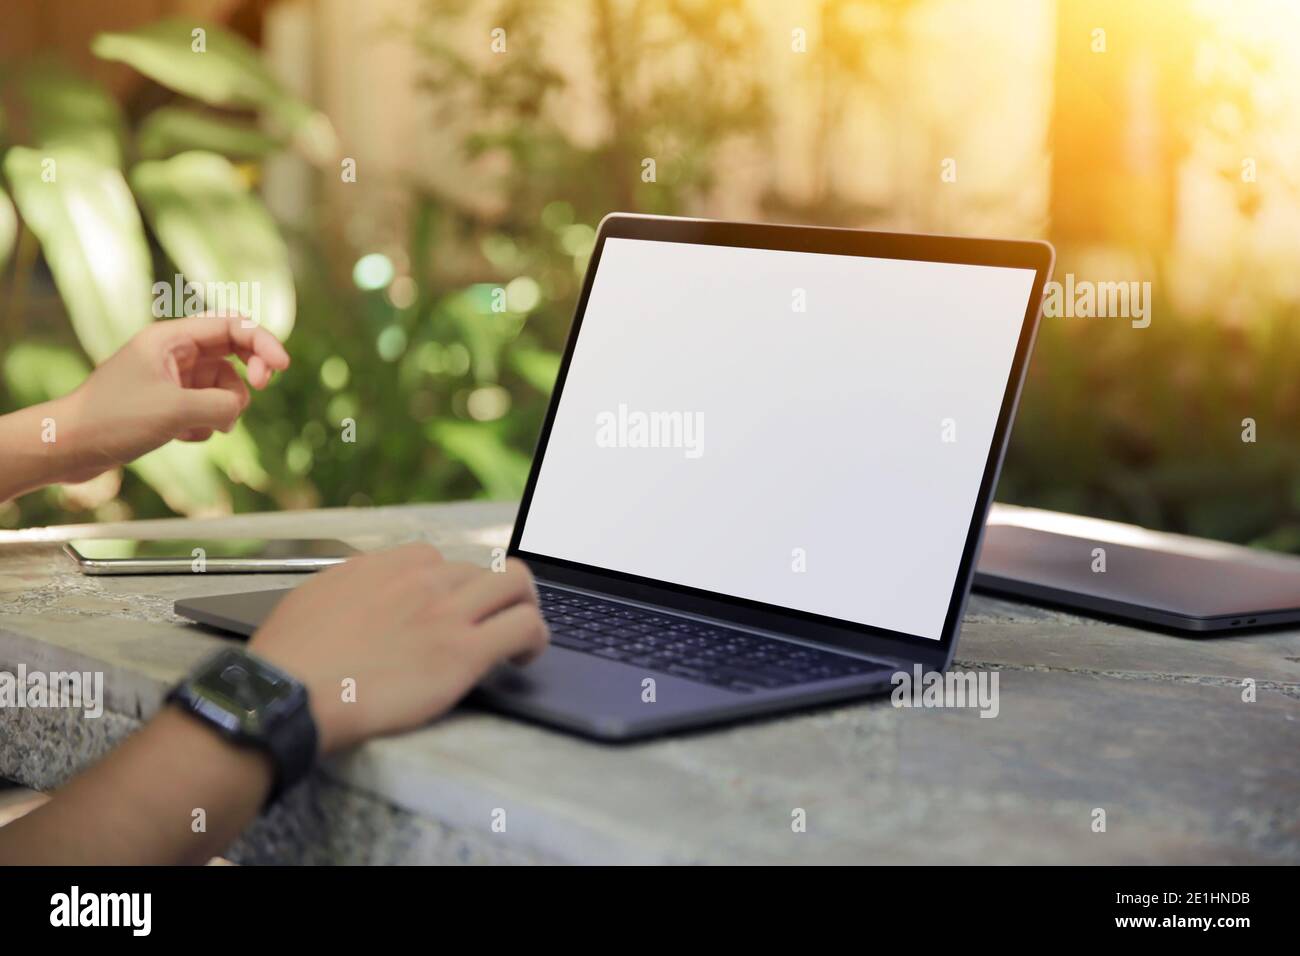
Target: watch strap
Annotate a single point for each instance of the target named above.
(292, 746)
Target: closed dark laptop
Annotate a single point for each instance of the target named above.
(1130, 573)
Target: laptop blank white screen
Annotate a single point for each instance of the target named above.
(804, 430)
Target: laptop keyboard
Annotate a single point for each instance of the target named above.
(706, 653)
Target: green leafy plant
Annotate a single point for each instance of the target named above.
(76, 182)
(445, 384)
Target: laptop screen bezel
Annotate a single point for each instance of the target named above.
(862, 638)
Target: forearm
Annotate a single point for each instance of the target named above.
(33, 453)
(138, 805)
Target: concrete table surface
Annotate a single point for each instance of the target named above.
(1151, 728)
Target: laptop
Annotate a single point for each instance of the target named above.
(1131, 574)
(763, 476)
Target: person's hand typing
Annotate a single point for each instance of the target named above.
(412, 632)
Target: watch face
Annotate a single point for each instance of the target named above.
(244, 688)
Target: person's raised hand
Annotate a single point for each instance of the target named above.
(173, 379)
(387, 641)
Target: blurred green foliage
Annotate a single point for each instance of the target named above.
(70, 184)
(410, 382)
(436, 360)
(1146, 426)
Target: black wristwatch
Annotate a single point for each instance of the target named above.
(254, 704)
